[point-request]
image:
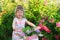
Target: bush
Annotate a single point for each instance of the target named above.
(34, 12)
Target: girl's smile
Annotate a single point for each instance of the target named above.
(19, 14)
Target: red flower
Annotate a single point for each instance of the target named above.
(44, 28)
(44, 39)
(45, 18)
(40, 25)
(57, 37)
(58, 24)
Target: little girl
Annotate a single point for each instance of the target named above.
(19, 23)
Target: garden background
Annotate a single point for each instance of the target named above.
(35, 11)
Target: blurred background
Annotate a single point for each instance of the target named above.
(34, 10)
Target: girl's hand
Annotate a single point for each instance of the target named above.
(37, 28)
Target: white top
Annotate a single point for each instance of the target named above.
(17, 24)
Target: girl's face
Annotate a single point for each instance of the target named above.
(19, 14)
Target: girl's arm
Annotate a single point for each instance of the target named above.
(31, 24)
(13, 25)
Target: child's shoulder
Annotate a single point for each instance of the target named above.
(25, 19)
(15, 18)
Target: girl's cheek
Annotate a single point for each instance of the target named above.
(17, 14)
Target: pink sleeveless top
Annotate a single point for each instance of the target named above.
(19, 24)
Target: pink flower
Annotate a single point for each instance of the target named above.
(45, 18)
(42, 20)
(41, 25)
(32, 37)
(51, 20)
(58, 24)
(46, 29)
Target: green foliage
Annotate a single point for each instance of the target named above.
(6, 26)
(0, 9)
(34, 13)
(27, 28)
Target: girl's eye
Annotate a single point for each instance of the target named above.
(21, 12)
